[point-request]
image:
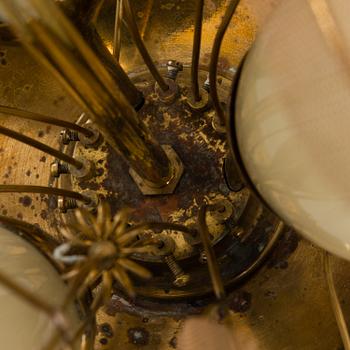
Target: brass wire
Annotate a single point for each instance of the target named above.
(45, 190)
(41, 146)
(197, 39)
(214, 59)
(20, 113)
(60, 47)
(134, 31)
(213, 266)
(337, 309)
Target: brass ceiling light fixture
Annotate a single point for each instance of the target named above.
(147, 200)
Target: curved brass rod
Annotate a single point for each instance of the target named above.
(278, 229)
(42, 147)
(213, 266)
(132, 26)
(337, 310)
(214, 59)
(45, 190)
(117, 29)
(197, 39)
(20, 113)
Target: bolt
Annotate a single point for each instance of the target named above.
(181, 278)
(57, 168)
(68, 135)
(174, 67)
(206, 85)
(64, 204)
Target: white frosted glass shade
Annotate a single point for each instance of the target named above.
(22, 326)
(293, 118)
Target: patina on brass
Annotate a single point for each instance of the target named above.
(106, 247)
(289, 304)
(132, 26)
(45, 119)
(45, 190)
(84, 15)
(55, 44)
(42, 147)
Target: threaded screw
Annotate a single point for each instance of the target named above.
(57, 168)
(181, 278)
(64, 204)
(68, 136)
(174, 68)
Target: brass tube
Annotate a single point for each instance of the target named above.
(20, 113)
(44, 190)
(197, 39)
(41, 146)
(132, 26)
(117, 29)
(121, 79)
(55, 43)
(84, 15)
(214, 59)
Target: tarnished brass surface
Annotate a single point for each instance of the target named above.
(202, 151)
(285, 305)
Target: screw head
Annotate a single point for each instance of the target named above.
(182, 280)
(64, 204)
(65, 138)
(55, 169)
(61, 204)
(175, 64)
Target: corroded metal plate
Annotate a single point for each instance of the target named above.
(202, 151)
(284, 306)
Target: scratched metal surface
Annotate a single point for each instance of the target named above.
(285, 305)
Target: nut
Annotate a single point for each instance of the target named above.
(87, 171)
(178, 170)
(169, 95)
